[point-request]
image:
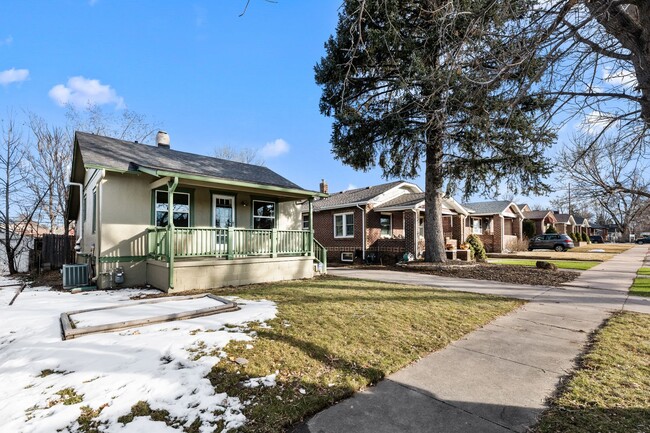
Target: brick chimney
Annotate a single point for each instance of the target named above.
(323, 186)
(162, 139)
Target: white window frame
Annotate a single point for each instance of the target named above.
(344, 221)
(273, 218)
(478, 231)
(390, 225)
(305, 222)
(347, 256)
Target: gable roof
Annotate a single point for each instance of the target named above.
(101, 152)
(539, 214)
(581, 221)
(491, 207)
(358, 196)
(416, 200)
(565, 218)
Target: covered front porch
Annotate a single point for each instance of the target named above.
(226, 233)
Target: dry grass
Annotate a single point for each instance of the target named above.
(611, 390)
(578, 253)
(334, 336)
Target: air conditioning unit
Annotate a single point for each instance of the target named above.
(74, 276)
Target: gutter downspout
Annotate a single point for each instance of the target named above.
(416, 229)
(363, 233)
(99, 226)
(81, 211)
(171, 188)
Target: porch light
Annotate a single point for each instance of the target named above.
(244, 203)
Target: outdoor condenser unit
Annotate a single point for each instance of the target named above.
(75, 276)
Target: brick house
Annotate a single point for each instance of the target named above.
(565, 223)
(542, 219)
(380, 220)
(497, 223)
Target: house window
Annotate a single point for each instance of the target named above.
(305, 221)
(94, 210)
(181, 209)
(421, 227)
(84, 206)
(477, 227)
(263, 214)
(344, 225)
(386, 224)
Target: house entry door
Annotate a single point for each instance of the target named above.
(223, 217)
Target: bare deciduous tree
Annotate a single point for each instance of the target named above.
(246, 155)
(21, 195)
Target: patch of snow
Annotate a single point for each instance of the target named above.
(256, 382)
(597, 250)
(164, 364)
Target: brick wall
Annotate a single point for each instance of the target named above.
(498, 228)
(324, 232)
(373, 229)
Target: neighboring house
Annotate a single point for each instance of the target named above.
(497, 223)
(582, 226)
(231, 223)
(379, 219)
(598, 229)
(542, 219)
(565, 223)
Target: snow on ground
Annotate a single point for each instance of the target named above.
(163, 364)
(142, 311)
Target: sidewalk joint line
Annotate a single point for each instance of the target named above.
(509, 360)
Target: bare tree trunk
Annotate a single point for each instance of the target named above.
(434, 241)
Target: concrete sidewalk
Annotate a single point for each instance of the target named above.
(497, 378)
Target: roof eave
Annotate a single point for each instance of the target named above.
(274, 188)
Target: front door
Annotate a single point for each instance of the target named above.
(223, 211)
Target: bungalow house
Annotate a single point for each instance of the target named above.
(582, 225)
(541, 219)
(565, 223)
(181, 221)
(497, 223)
(386, 219)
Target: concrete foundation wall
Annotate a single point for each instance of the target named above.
(201, 274)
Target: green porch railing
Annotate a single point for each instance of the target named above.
(227, 242)
(320, 255)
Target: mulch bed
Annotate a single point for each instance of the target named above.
(512, 274)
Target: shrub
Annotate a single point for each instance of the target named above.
(573, 237)
(528, 227)
(550, 230)
(476, 245)
(518, 244)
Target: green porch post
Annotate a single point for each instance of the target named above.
(171, 188)
(311, 227)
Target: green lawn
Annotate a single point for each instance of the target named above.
(610, 392)
(641, 285)
(562, 264)
(334, 336)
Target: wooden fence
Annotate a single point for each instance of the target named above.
(56, 250)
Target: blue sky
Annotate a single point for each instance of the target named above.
(208, 76)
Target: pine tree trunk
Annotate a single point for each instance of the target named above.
(434, 242)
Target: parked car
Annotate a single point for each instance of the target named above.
(596, 239)
(643, 240)
(557, 242)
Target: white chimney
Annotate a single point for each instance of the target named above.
(162, 138)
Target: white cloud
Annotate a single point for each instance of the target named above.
(619, 77)
(7, 41)
(350, 187)
(81, 91)
(92, 2)
(275, 148)
(13, 75)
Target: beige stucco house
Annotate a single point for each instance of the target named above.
(231, 223)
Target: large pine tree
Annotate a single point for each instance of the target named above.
(440, 83)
